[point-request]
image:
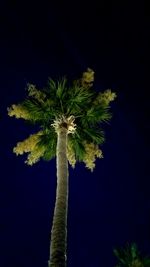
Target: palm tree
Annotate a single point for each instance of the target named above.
(69, 119)
(131, 257)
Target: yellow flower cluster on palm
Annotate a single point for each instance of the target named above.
(106, 97)
(37, 94)
(87, 78)
(92, 152)
(29, 145)
(71, 154)
(19, 112)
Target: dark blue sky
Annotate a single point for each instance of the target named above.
(110, 206)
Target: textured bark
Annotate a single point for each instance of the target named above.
(59, 228)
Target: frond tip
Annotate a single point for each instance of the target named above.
(36, 94)
(35, 156)
(106, 97)
(18, 111)
(92, 152)
(29, 145)
(87, 78)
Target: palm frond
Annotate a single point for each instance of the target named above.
(146, 261)
(98, 114)
(94, 135)
(39, 95)
(41, 112)
(48, 141)
(61, 88)
(78, 147)
(130, 256)
(34, 108)
(78, 99)
(51, 87)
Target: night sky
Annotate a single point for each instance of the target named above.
(110, 206)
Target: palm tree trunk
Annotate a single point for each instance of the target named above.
(59, 227)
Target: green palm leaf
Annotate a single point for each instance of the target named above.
(51, 88)
(95, 136)
(48, 140)
(61, 88)
(78, 147)
(131, 257)
(98, 114)
(78, 99)
(36, 109)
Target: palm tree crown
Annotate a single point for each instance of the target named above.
(77, 106)
(131, 257)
